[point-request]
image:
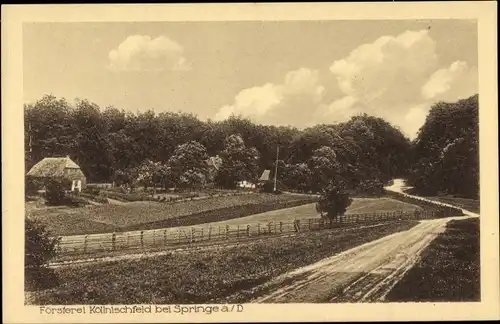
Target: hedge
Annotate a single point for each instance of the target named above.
(442, 211)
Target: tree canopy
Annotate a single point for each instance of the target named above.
(113, 145)
(446, 150)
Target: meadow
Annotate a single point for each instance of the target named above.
(217, 275)
(216, 211)
(448, 269)
(148, 214)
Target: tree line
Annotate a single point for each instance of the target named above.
(446, 151)
(170, 148)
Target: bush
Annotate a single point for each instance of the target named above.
(92, 190)
(55, 191)
(32, 186)
(268, 187)
(442, 211)
(333, 201)
(39, 249)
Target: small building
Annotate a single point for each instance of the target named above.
(246, 184)
(62, 168)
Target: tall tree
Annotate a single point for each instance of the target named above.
(238, 162)
(188, 167)
(446, 150)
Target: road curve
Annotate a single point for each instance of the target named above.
(363, 274)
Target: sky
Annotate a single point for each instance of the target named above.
(298, 73)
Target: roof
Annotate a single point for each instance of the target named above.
(265, 175)
(52, 167)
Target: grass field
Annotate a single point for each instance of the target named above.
(108, 218)
(226, 275)
(472, 205)
(235, 210)
(358, 206)
(449, 269)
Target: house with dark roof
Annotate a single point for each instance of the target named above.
(60, 168)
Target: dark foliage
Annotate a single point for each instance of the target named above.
(112, 144)
(447, 151)
(55, 193)
(334, 200)
(32, 186)
(39, 249)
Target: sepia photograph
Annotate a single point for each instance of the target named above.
(235, 162)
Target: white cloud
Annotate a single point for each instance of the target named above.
(394, 77)
(143, 53)
(277, 103)
(388, 68)
(414, 119)
(456, 81)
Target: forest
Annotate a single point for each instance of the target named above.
(115, 145)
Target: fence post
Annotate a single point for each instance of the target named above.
(310, 223)
(202, 234)
(274, 227)
(142, 239)
(179, 235)
(209, 232)
(218, 235)
(154, 237)
(281, 227)
(192, 234)
(269, 227)
(85, 243)
(238, 231)
(227, 232)
(258, 229)
(248, 230)
(113, 241)
(165, 237)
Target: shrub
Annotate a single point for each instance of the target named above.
(99, 199)
(442, 211)
(333, 201)
(32, 186)
(39, 249)
(92, 190)
(268, 187)
(55, 191)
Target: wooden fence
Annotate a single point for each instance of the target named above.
(171, 237)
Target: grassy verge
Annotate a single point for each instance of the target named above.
(472, 205)
(448, 269)
(224, 275)
(441, 211)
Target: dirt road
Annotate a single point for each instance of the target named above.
(363, 274)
